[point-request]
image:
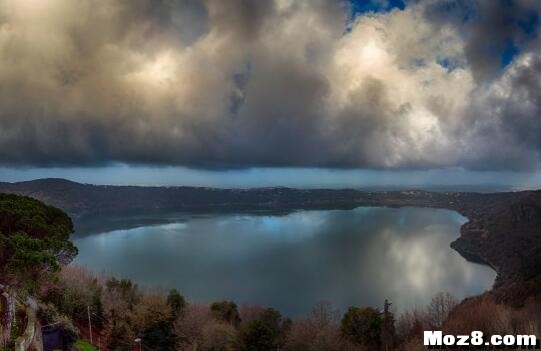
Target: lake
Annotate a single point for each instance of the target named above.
(291, 262)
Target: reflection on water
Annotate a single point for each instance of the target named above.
(291, 262)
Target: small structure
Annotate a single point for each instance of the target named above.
(52, 337)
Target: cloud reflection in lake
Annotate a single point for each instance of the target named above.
(291, 262)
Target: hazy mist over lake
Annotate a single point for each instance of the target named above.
(291, 262)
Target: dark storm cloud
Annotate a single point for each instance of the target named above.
(503, 123)
(494, 30)
(507, 120)
(241, 83)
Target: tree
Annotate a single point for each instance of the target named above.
(218, 336)
(362, 326)
(439, 308)
(269, 325)
(34, 242)
(119, 314)
(176, 303)
(72, 294)
(118, 335)
(387, 327)
(278, 325)
(410, 326)
(189, 327)
(160, 335)
(127, 289)
(317, 332)
(225, 311)
(259, 337)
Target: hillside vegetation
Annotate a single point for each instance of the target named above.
(34, 243)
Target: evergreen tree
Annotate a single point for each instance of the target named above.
(34, 242)
(362, 326)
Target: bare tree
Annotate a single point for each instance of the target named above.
(439, 308)
(318, 332)
(189, 328)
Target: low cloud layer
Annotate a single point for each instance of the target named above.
(242, 83)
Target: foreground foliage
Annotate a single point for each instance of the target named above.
(34, 243)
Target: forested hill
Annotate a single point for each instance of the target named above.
(80, 199)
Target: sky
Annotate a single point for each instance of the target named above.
(278, 92)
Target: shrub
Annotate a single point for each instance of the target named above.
(317, 332)
(259, 337)
(362, 326)
(160, 335)
(176, 303)
(439, 308)
(226, 311)
(219, 336)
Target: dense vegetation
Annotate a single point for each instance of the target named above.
(34, 242)
(121, 312)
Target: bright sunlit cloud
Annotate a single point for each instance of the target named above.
(232, 85)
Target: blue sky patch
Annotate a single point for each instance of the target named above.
(448, 63)
(509, 52)
(362, 6)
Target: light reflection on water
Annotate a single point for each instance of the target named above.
(291, 262)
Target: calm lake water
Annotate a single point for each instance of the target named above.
(291, 262)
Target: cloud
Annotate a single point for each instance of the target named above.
(242, 83)
(505, 119)
(492, 29)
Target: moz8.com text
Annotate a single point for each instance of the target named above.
(436, 340)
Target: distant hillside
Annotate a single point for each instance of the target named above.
(80, 199)
(504, 229)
